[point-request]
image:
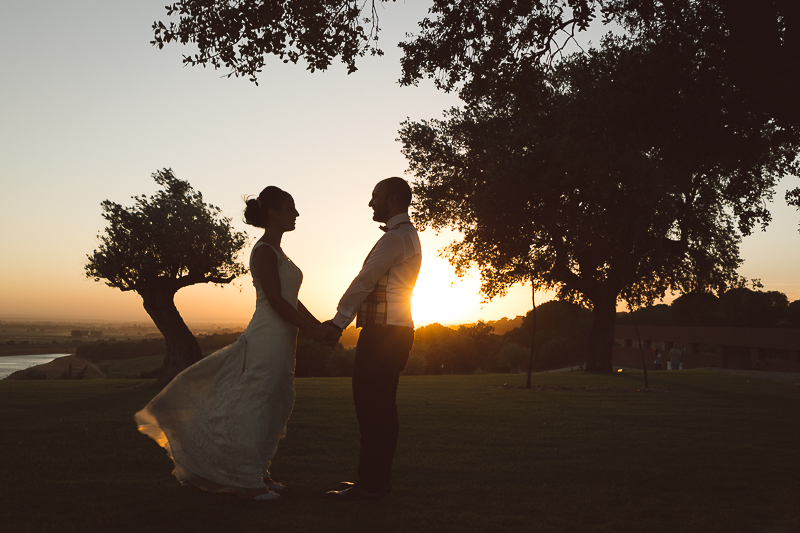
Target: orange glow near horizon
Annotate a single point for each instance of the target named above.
(440, 296)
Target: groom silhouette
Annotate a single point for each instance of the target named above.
(380, 299)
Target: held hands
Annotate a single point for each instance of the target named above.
(328, 334)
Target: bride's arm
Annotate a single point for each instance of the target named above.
(305, 313)
(265, 265)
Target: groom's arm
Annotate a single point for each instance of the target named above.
(387, 252)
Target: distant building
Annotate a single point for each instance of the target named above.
(774, 349)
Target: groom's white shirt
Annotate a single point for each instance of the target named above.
(397, 253)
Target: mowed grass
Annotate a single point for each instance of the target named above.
(128, 368)
(706, 451)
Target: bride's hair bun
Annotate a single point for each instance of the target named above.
(256, 209)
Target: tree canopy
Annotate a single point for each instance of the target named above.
(238, 35)
(468, 40)
(480, 47)
(562, 334)
(738, 307)
(161, 244)
(620, 172)
(172, 239)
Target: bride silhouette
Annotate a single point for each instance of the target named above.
(220, 420)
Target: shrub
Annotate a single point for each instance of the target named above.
(149, 374)
(311, 359)
(108, 351)
(340, 362)
(558, 352)
(215, 341)
(416, 364)
(511, 358)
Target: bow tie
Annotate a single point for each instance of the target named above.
(385, 228)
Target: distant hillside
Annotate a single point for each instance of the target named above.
(738, 307)
(350, 335)
(504, 325)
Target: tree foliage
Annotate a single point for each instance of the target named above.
(737, 307)
(464, 35)
(757, 43)
(469, 348)
(469, 40)
(238, 35)
(562, 334)
(480, 48)
(757, 46)
(172, 239)
(624, 171)
(474, 42)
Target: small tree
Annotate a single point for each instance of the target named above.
(161, 244)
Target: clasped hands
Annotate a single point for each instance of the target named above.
(327, 334)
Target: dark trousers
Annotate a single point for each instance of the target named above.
(381, 354)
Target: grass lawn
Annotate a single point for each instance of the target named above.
(128, 368)
(706, 451)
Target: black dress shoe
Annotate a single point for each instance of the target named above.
(354, 492)
(347, 484)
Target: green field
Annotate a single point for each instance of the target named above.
(706, 451)
(21, 338)
(128, 368)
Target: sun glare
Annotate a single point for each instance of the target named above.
(440, 296)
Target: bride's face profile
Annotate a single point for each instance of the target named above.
(285, 217)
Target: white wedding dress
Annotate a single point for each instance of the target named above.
(220, 420)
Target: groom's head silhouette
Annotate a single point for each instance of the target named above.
(390, 197)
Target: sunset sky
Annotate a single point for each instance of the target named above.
(89, 109)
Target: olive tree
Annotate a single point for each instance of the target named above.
(160, 244)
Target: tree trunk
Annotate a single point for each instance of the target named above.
(533, 337)
(182, 347)
(601, 339)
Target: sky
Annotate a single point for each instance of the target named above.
(89, 110)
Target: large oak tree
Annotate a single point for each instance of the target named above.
(619, 173)
(165, 242)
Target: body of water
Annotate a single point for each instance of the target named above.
(11, 363)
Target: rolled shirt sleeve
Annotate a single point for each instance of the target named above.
(387, 252)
